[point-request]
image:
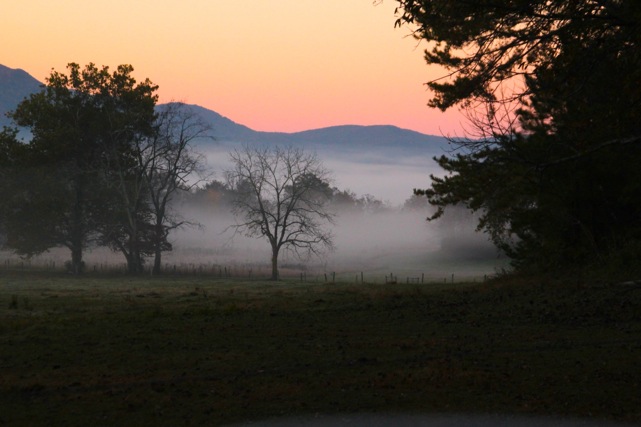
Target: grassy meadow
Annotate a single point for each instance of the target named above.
(116, 350)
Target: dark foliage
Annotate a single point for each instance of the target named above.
(100, 168)
(552, 88)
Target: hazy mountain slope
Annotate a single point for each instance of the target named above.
(364, 139)
(358, 143)
(15, 85)
(383, 160)
(223, 129)
(372, 136)
(361, 143)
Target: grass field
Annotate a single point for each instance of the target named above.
(195, 351)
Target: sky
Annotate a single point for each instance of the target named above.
(272, 65)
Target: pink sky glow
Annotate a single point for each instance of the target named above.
(272, 65)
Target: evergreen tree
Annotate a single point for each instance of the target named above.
(554, 167)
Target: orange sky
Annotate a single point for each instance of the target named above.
(273, 65)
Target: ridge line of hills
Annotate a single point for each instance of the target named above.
(381, 140)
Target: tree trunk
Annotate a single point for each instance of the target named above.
(76, 259)
(77, 227)
(274, 264)
(134, 264)
(159, 239)
(134, 261)
(157, 261)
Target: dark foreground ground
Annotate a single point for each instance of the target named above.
(194, 351)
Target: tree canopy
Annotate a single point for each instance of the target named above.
(100, 167)
(552, 88)
(81, 125)
(484, 43)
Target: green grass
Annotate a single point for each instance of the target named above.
(196, 351)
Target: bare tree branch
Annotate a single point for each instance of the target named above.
(280, 197)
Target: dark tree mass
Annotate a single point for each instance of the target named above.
(553, 90)
(99, 169)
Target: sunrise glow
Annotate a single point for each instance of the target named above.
(285, 65)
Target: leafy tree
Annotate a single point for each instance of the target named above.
(281, 195)
(130, 114)
(82, 125)
(65, 149)
(552, 90)
(11, 153)
(416, 203)
(345, 200)
(214, 197)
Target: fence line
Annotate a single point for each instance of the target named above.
(251, 272)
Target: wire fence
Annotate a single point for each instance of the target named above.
(260, 271)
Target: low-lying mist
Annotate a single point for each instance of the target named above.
(387, 234)
(384, 174)
(390, 236)
(378, 244)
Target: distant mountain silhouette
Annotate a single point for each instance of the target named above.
(358, 143)
(223, 129)
(15, 85)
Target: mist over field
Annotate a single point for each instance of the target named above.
(377, 244)
(378, 164)
(389, 237)
(384, 174)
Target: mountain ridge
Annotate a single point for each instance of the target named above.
(17, 84)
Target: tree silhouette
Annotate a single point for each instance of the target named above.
(281, 195)
(552, 88)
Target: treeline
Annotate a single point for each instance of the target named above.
(101, 167)
(218, 196)
(105, 166)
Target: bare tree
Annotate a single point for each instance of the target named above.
(170, 164)
(282, 195)
(155, 165)
(128, 229)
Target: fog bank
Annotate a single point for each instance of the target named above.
(379, 241)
